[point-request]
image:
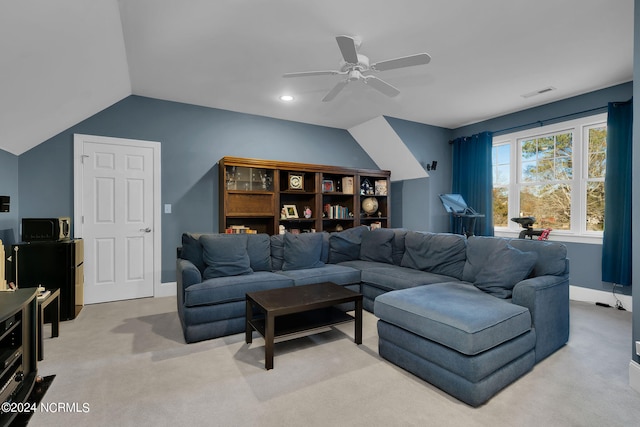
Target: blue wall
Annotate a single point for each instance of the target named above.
(576, 104)
(193, 140)
(420, 206)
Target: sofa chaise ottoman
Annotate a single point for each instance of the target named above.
(474, 337)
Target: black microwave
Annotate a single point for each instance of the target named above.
(45, 229)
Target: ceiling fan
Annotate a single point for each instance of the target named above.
(355, 65)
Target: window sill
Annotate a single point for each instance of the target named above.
(556, 236)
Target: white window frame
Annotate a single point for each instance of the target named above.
(578, 231)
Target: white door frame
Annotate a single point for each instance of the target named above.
(78, 144)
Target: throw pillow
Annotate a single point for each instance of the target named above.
(440, 253)
(345, 245)
(302, 251)
(508, 266)
(192, 250)
(376, 245)
(225, 255)
(259, 250)
(480, 250)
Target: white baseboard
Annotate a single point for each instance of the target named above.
(634, 375)
(167, 289)
(578, 293)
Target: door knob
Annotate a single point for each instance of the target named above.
(146, 230)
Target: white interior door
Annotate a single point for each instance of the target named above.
(117, 219)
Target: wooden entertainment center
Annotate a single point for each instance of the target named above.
(263, 195)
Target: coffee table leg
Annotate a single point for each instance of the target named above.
(358, 332)
(248, 329)
(268, 340)
(55, 324)
(40, 332)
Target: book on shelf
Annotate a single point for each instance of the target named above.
(240, 229)
(336, 211)
(347, 185)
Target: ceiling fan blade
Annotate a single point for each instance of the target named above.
(405, 61)
(347, 46)
(336, 90)
(381, 85)
(312, 73)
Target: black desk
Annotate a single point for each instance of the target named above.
(464, 223)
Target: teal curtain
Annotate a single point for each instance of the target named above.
(473, 177)
(616, 241)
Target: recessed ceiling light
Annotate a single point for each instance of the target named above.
(286, 98)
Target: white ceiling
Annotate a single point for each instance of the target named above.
(65, 60)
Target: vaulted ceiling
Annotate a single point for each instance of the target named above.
(65, 60)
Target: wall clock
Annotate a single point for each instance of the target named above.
(296, 181)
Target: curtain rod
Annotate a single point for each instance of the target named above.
(542, 122)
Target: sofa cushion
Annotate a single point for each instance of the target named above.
(479, 249)
(398, 245)
(392, 277)
(509, 266)
(225, 255)
(552, 256)
(192, 250)
(338, 274)
(345, 245)
(439, 253)
(324, 256)
(222, 290)
(456, 315)
(259, 250)
(376, 245)
(277, 251)
(302, 251)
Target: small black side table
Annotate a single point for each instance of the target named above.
(54, 296)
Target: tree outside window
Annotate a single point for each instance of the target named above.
(556, 175)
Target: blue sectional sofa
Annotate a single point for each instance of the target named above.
(469, 315)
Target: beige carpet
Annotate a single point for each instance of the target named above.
(128, 362)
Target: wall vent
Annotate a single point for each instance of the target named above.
(538, 92)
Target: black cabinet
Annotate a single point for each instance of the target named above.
(18, 364)
(54, 265)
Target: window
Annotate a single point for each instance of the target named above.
(554, 173)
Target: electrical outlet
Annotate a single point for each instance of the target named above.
(638, 348)
(167, 208)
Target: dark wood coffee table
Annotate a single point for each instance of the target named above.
(296, 309)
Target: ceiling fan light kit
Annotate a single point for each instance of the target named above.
(354, 65)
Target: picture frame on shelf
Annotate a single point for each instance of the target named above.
(291, 211)
(327, 186)
(381, 187)
(296, 181)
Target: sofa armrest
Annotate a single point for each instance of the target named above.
(547, 298)
(187, 274)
